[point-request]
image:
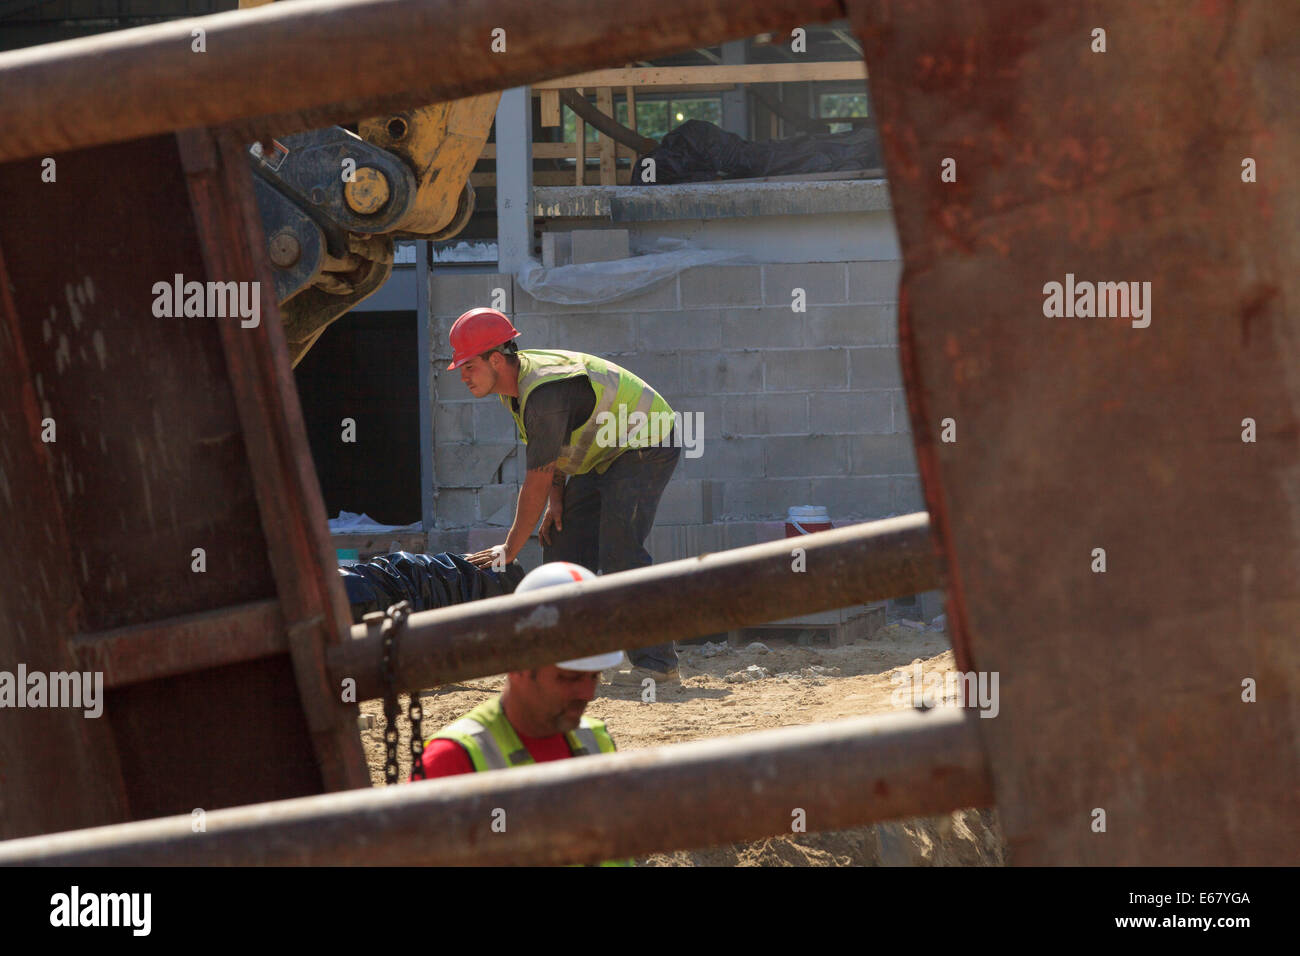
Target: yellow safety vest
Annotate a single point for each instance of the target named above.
(492, 743)
(628, 412)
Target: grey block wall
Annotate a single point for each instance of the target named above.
(798, 407)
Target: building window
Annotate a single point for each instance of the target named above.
(847, 105)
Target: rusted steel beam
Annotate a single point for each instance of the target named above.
(307, 65)
(704, 595)
(289, 499)
(182, 645)
(1124, 549)
(842, 774)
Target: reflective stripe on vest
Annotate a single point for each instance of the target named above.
(492, 743)
(620, 394)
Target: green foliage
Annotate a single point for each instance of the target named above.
(654, 117)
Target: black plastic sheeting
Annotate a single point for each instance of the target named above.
(698, 152)
(426, 580)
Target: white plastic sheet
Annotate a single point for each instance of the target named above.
(594, 283)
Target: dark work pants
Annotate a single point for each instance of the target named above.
(606, 521)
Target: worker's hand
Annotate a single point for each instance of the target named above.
(554, 516)
(493, 558)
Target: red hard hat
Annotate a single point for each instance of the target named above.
(477, 331)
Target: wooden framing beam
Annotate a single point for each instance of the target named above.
(688, 76)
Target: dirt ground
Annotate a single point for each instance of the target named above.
(730, 690)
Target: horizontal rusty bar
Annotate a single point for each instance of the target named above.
(289, 66)
(842, 774)
(696, 596)
(183, 645)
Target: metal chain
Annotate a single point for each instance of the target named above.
(397, 615)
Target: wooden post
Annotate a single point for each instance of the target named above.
(580, 170)
(608, 162)
(550, 107)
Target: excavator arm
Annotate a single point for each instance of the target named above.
(333, 201)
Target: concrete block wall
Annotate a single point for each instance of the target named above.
(798, 406)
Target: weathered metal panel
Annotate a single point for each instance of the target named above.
(1120, 691)
(156, 455)
(150, 462)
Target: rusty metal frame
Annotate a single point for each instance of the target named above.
(1070, 162)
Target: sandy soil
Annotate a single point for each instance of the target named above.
(728, 690)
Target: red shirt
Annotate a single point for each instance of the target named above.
(446, 758)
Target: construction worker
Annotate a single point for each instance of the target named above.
(538, 716)
(596, 469)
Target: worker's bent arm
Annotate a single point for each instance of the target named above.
(532, 502)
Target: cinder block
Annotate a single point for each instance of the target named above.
(874, 368)
(599, 245)
(906, 496)
(763, 499)
(766, 414)
(515, 467)
(469, 465)
(810, 455)
(806, 369)
(701, 418)
(838, 413)
(882, 455)
(453, 541)
(874, 281)
(453, 422)
(674, 543)
(557, 249)
(902, 417)
(739, 534)
(596, 333)
(932, 604)
(693, 329)
(851, 499)
(852, 325)
(530, 555)
(823, 282)
(771, 530)
(721, 285)
(480, 539)
(722, 373)
(452, 292)
(662, 295)
(682, 503)
(766, 328)
(725, 458)
(492, 423)
(662, 543)
(455, 508)
(662, 371)
(496, 504)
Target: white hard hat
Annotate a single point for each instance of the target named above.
(562, 572)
